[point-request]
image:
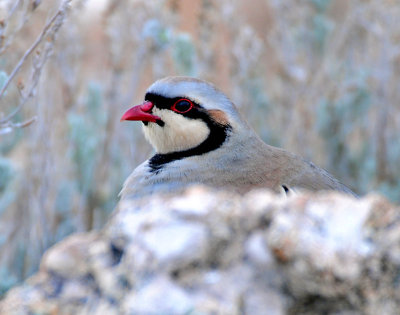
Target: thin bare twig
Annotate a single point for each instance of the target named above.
(13, 9)
(10, 37)
(9, 126)
(60, 12)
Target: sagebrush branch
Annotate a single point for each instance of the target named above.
(50, 29)
(10, 126)
(60, 12)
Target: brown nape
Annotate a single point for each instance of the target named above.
(219, 117)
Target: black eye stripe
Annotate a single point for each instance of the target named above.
(163, 102)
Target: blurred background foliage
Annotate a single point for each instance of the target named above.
(317, 77)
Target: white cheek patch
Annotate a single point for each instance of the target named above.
(179, 133)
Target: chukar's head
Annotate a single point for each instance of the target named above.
(183, 114)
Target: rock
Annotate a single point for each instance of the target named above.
(208, 252)
(160, 296)
(65, 259)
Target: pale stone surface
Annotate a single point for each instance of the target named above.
(208, 252)
(159, 296)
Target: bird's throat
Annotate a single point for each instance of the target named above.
(177, 134)
(217, 136)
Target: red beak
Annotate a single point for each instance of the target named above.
(140, 112)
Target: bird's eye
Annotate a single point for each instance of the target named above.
(182, 106)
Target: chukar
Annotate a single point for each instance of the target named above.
(199, 137)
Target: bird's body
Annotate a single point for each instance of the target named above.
(200, 138)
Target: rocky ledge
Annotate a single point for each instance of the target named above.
(207, 252)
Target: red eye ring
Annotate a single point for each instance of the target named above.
(187, 106)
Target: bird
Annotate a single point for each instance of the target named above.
(199, 137)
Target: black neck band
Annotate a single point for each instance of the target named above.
(218, 135)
